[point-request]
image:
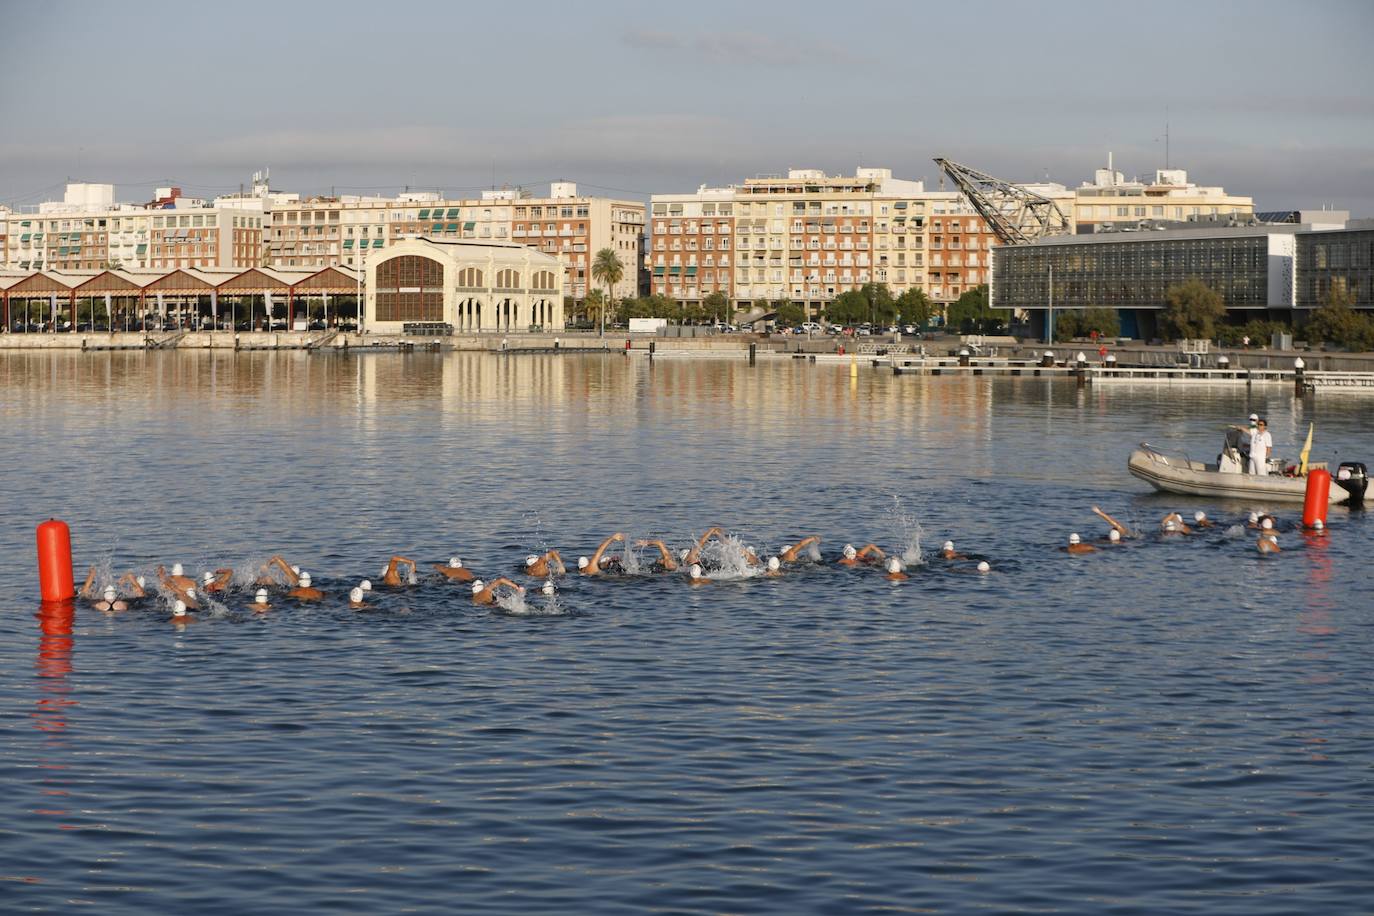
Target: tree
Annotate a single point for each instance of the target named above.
(607, 269)
(716, 305)
(913, 307)
(789, 314)
(1072, 323)
(971, 310)
(1338, 324)
(594, 306)
(1194, 311)
(847, 308)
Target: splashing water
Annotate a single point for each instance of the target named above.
(728, 558)
(1235, 531)
(630, 562)
(908, 531)
(513, 603)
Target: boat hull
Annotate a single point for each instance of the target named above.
(1192, 478)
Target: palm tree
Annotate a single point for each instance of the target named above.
(607, 269)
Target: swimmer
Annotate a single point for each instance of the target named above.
(1173, 524)
(265, 576)
(87, 589)
(186, 596)
(598, 562)
(1114, 537)
(666, 561)
(695, 576)
(1318, 528)
(392, 576)
(949, 553)
(179, 615)
(693, 555)
(260, 602)
(1268, 543)
(304, 591)
(218, 581)
(482, 593)
(1120, 528)
(1076, 545)
(773, 569)
(133, 585)
(792, 552)
(985, 566)
(540, 566)
(894, 570)
(848, 556)
(869, 553)
(1200, 520)
(355, 599)
(109, 601)
(547, 588)
(177, 577)
(365, 585)
(455, 571)
(1266, 523)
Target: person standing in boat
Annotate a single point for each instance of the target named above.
(1261, 444)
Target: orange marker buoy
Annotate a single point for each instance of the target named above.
(1318, 496)
(55, 561)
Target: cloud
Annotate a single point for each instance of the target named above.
(741, 48)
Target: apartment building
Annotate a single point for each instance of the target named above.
(345, 230)
(1111, 201)
(809, 237)
(87, 230)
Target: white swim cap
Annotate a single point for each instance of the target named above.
(1113, 535)
(695, 571)
(1267, 524)
(190, 591)
(774, 563)
(177, 569)
(478, 586)
(141, 581)
(583, 562)
(849, 552)
(261, 596)
(949, 545)
(548, 587)
(455, 563)
(208, 578)
(1254, 517)
(1199, 515)
(356, 596)
(305, 580)
(365, 585)
(531, 560)
(295, 569)
(109, 593)
(682, 554)
(1318, 524)
(1169, 525)
(1074, 539)
(179, 609)
(786, 547)
(983, 566)
(894, 565)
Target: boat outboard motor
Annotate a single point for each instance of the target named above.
(1232, 460)
(1354, 478)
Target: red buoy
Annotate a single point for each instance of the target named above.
(1318, 495)
(55, 561)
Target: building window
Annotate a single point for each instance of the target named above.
(410, 288)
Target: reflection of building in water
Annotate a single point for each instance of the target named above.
(470, 285)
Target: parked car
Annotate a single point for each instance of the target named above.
(810, 326)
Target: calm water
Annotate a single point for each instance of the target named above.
(1166, 727)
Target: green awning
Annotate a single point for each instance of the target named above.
(348, 243)
(452, 213)
(899, 219)
(691, 271)
(674, 270)
(377, 243)
(424, 214)
(26, 236)
(469, 226)
(23, 265)
(438, 227)
(658, 271)
(38, 236)
(26, 223)
(453, 227)
(900, 205)
(142, 249)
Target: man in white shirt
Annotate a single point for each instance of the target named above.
(1261, 444)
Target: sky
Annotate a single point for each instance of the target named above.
(1268, 99)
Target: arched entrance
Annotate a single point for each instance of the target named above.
(410, 288)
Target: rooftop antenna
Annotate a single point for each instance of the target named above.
(1166, 136)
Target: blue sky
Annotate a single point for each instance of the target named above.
(1275, 100)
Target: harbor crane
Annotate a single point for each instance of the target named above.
(1015, 214)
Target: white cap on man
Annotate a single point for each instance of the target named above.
(1267, 523)
(1254, 418)
(179, 608)
(1254, 518)
(109, 593)
(208, 578)
(356, 595)
(583, 562)
(849, 552)
(478, 586)
(177, 569)
(949, 545)
(365, 585)
(894, 565)
(455, 563)
(984, 566)
(261, 596)
(1318, 525)
(695, 571)
(531, 560)
(1074, 539)
(1113, 535)
(1199, 516)
(304, 581)
(774, 564)
(547, 588)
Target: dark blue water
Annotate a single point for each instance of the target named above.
(1169, 726)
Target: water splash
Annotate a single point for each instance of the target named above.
(727, 558)
(908, 531)
(1235, 531)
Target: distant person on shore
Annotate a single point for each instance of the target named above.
(392, 574)
(599, 563)
(485, 593)
(1076, 545)
(540, 566)
(455, 571)
(666, 561)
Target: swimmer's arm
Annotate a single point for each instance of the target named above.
(130, 581)
(1121, 529)
(695, 553)
(790, 555)
(284, 566)
(186, 597)
(605, 545)
(752, 558)
(553, 557)
(400, 561)
(871, 550)
(88, 587)
(502, 580)
(665, 555)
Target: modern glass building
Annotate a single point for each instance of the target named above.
(1252, 268)
(1342, 260)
